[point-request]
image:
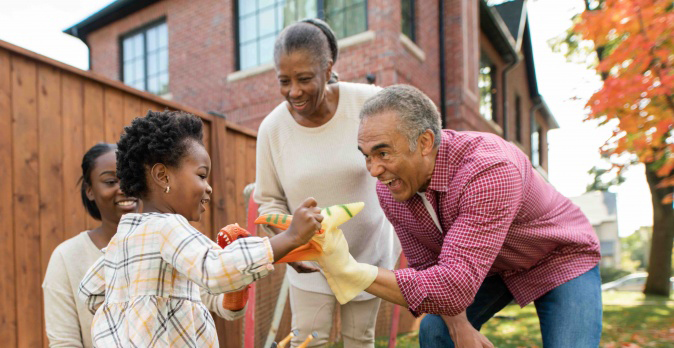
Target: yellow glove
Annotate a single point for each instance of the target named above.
(346, 276)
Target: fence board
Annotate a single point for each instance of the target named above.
(7, 281)
(72, 101)
(131, 109)
(26, 202)
(113, 112)
(94, 124)
(50, 163)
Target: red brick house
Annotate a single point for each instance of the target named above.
(474, 60)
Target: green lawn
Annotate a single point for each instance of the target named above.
(630, 320)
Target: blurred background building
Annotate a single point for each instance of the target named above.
(474, 60)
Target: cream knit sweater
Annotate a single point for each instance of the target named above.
(67, 318)
(296, 162)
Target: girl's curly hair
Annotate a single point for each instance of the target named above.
(159, 137)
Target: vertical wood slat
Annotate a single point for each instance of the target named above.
(113, 112)
(49, 165)
(50, 161)
(7, 261)
(131, 109)
(72, 101)
(94, 124)
(26, 202)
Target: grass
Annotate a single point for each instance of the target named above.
(630, 320)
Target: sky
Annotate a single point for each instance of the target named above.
(37, 25)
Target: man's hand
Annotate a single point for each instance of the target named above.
(464, 334)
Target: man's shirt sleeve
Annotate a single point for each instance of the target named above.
(488, 205)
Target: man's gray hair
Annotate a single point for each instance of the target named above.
(416, 111)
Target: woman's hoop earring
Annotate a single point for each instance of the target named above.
(168, 188)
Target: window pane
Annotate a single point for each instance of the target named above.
(127, 49)
(139, 71)
(138, 48)
(280, 17)
(486, 87)
(267, 22)
(162, 34)
(163, 60)
(128, 72)
(407, 23)
(332, 6)
(355, 20)
(346, 17)
(336, 21)
(261, 4)
(152, 64)
(267, 49)
(249, 55)
(152, 84)
(247, 29)
(246, 6)
(152, 39)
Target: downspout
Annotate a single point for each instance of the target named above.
(504, 81)
(441, 34)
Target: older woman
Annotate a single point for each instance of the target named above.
(307, 146)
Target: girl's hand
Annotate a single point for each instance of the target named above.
(306, 221)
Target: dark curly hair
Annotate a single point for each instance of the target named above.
(159, 137)
(88, 164)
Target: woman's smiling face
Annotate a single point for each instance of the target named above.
(302, 81)
(190, 192)
(105, 191)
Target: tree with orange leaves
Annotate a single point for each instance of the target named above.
(634, 42)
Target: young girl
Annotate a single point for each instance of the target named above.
(145, 289)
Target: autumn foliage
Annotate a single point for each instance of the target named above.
(634, 40)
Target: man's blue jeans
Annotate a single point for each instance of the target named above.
(570, 314)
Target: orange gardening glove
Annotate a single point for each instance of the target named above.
(233, 301)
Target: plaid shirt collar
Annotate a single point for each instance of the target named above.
(441, 177)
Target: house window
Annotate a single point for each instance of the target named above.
(487, 85)
(518, 119)
(536, 144)
(407, 22)
(145, 59)
(346, 18)
(260, 21)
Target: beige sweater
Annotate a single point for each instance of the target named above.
(67, 319)
(296, 162)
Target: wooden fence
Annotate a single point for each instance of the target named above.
(50, 113)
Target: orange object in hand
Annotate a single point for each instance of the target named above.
(233, 301)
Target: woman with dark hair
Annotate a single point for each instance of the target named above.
(151, 273)
(67, 320)
(319, 120)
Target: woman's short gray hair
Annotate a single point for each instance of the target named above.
(416, 111)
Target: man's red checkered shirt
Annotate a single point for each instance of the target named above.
(498, 216)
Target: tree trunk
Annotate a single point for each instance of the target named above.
(660, 260)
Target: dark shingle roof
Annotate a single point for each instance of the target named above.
(114, 11)
(512, 14)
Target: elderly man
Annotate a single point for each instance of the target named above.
(479, 227)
